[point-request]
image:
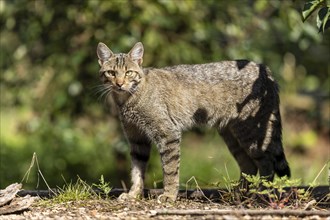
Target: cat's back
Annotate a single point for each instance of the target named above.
(214, 73)
(226, 90)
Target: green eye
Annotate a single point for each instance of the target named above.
(129, 73)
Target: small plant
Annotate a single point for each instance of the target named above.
(234, 194)
(255, 192)
(103, 186)
(198, 188)
(277, 194)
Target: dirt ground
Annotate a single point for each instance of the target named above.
(152, 209)
(191, 204)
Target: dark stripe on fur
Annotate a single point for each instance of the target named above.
(173, 172)
(175, 141)
(140, 157)
(174, 157)
(166, 151)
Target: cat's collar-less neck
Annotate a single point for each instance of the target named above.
(121, 98)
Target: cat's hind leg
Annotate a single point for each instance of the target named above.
(245, 162)
(262, 142)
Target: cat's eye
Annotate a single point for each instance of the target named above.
(129, 73)
(109, 73)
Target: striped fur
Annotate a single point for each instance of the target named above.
(239, 98)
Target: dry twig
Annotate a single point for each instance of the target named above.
(241, 212)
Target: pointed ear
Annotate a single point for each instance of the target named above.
(103, 53)
(136, 53)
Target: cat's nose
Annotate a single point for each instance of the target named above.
(119, 84)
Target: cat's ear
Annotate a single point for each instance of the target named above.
(103, 53)
(136, 53)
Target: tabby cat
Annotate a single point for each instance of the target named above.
(238, 98)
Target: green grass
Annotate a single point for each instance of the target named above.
(77, 192)
(74, 192)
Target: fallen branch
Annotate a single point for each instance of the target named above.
(10, 204)
(8, 194)
(17, 205)
(240, 212)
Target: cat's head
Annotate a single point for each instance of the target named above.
(121, 73)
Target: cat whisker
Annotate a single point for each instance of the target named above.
(133, 89)
(130, 91)
(105, 91)
(96, 90)
(100, 91)
(107, 97)
(97, 86)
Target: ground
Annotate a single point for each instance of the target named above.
(79, 201)
(111, 208)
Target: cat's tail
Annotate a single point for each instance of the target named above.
(281, 165)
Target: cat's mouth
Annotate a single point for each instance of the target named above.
(124, 89)
(121, 89)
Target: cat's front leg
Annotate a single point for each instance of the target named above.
(169, 151)
(140, 151)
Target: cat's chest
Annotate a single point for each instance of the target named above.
(133, 114)
(129, 113)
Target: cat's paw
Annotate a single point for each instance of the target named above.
(128, 196)
(125, 197)
(166, 197)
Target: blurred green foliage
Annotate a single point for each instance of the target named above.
(49, 74)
